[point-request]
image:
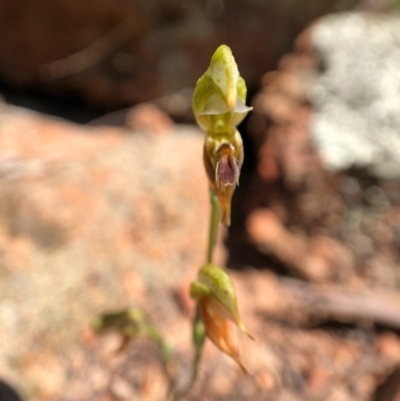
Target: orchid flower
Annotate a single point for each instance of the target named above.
(216, 297)
(219, 106)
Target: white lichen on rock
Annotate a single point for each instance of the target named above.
(357, 93)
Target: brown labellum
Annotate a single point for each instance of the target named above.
(227, 171)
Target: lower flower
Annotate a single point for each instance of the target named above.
(216, 297)
(221, 331)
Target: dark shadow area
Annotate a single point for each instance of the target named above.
(7, 393)
(69, 106)
(389, 389)
(241, 252)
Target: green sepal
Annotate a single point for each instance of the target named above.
(215, 282)
(220, 91)
(220, 287)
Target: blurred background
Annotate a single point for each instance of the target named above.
(104, 200)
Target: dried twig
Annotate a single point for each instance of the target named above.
(93, 53)
(345, 304)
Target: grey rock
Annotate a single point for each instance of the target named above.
(357, 92)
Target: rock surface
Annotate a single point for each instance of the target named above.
(357, 95)
(322, 223)
(91, 219)
(94, 218)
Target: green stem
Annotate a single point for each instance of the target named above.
(214, 222)
(199, 333)
(168, 361)
(198, 338)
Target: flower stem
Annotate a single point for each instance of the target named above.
(199, 334)
(198, 338)
(214, 222)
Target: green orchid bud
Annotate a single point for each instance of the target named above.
(131, 323)
(220, 94)
(215, 293)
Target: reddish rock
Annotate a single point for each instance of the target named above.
(341, 218)
(148, 117)
(91, 219)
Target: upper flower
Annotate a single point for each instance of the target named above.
(219, 106)
(220, 94)
(223, 158)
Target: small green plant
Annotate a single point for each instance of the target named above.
(219, 106)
